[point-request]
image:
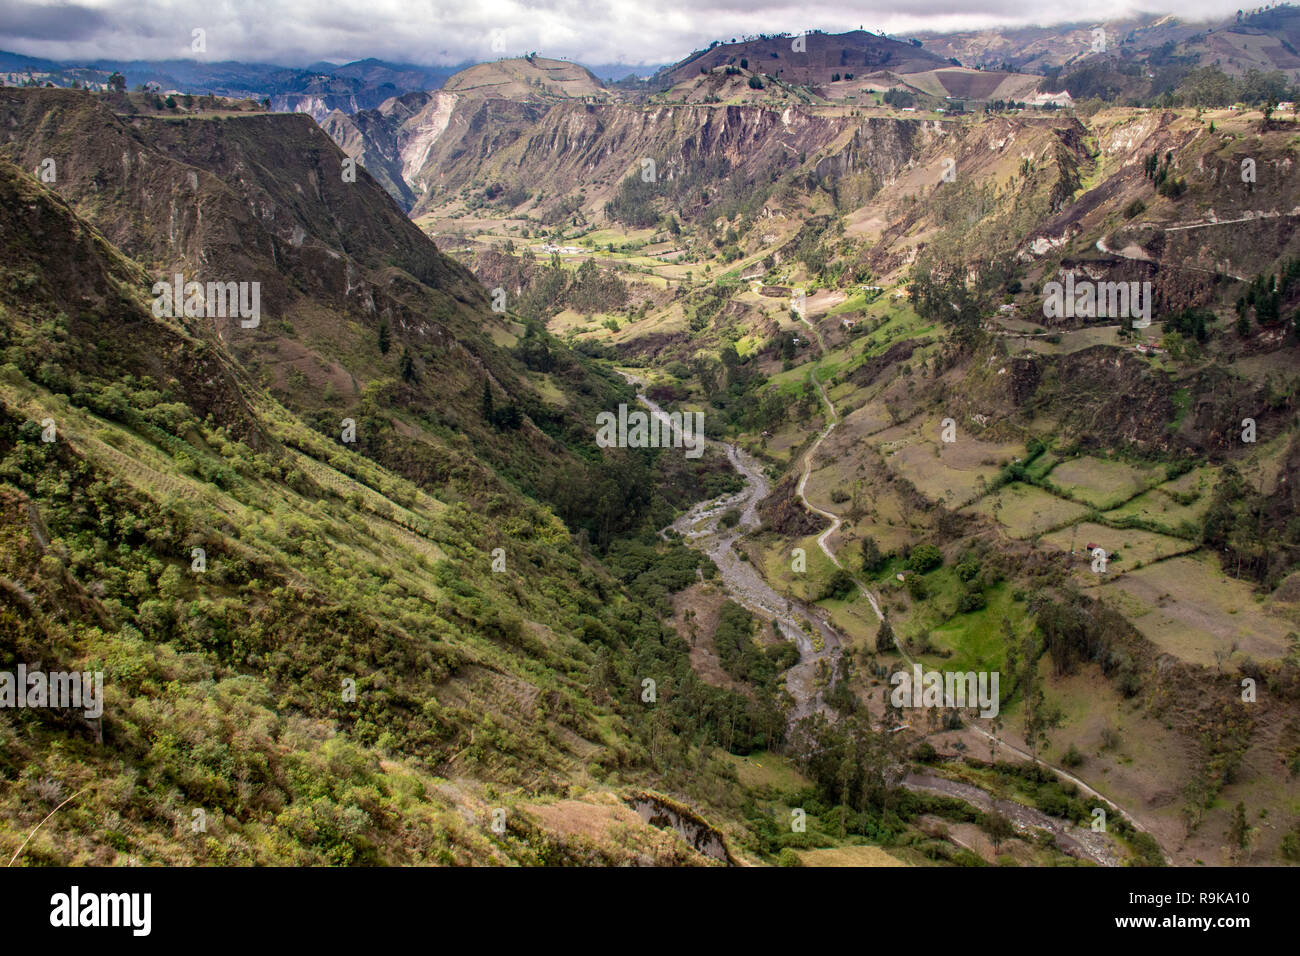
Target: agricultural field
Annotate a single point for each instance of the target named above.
(1026, 510)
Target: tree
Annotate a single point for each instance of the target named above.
(1239, 829)
(487, 401)
(841, 585)
(385, 339)
(999, 829)
(885, 640)
(406, 365)
(872, 559)
(117, 82)
(924, 558)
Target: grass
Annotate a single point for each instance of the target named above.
(1102, 483)
(1189, 607)
(1127, 548)
(1025, 510)
(974, 641)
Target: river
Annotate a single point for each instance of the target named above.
(701, 526)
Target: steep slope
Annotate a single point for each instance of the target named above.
(431, 143)
(362, 318)
(306, 658)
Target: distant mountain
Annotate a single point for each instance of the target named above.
(1265, 40)
(613, 72)
(317, 89)
(322, 87)
(811, 59)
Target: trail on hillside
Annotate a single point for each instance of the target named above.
(818, 643)
(834, 519)
(701, 526)
(837, 521)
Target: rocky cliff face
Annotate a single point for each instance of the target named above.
(447, 143)
(262, 199)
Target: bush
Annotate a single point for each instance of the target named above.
(1291, 845)
(1135, 208)
(788, 858)
(840, 587)
(924, 559)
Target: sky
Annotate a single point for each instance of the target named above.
(448, 32)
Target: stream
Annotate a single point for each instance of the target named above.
(702, 528)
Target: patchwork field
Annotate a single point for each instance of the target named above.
(1190, 608)
(849, 856)
(1100, 482)
(1127, 549)
(1025, 510)
(948, 470)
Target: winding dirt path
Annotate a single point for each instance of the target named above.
(837, 521)
(819, 644)
(817, 640)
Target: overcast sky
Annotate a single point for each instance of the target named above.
(444, 32)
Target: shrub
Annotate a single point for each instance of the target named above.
(924, 558)
(840, 587)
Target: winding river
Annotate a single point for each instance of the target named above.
(819, 644)
(702, 527)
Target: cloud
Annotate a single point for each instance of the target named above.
(57, 22)
(445, 32)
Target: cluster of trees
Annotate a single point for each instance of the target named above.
(742, 658)
(1191, 323)
(1211, 87)
(1158, 171)
(1174, 81)
(898, 98)
(941, 293)
(1254, 533)
(1267, 295)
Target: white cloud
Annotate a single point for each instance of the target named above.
(443, 32)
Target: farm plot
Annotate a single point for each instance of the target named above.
(1101, 483)
(1127, 549)
(1024, 510)
(1189, 607)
